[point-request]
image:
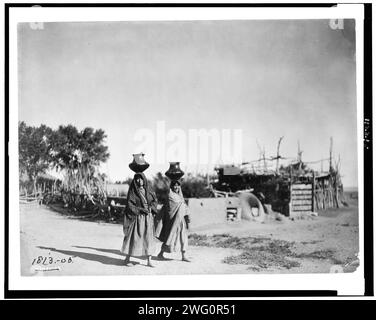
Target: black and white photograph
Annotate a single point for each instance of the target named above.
(182, 147)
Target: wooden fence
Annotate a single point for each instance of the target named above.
(320, 193)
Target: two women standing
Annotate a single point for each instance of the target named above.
(139, 228)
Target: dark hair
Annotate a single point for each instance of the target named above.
(138, 175)
(142, 176)
(174, 183)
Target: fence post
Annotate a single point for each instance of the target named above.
(313, 191)
(290, 202)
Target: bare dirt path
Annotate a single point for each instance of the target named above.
(53, 244)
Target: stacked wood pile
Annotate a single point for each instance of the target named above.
(297, 189)
(300, 198)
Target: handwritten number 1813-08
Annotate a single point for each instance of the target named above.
(50, 260)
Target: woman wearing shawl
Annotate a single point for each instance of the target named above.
(139, 221)
(174, 232)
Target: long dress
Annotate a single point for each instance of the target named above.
(138, 227)
(174, 231)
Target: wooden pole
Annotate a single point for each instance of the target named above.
(290, 202)
(278, 156)
(331, 154)
(313, 191)
(300, 152)
(263, 156)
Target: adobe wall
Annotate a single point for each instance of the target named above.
(207, 211)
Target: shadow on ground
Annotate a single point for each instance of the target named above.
(89, 256)
(113, 251)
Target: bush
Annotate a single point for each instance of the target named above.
(192, 186)
(195, 187)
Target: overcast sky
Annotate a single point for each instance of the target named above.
(268, 78)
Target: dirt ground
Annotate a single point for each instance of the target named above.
(54, 244)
